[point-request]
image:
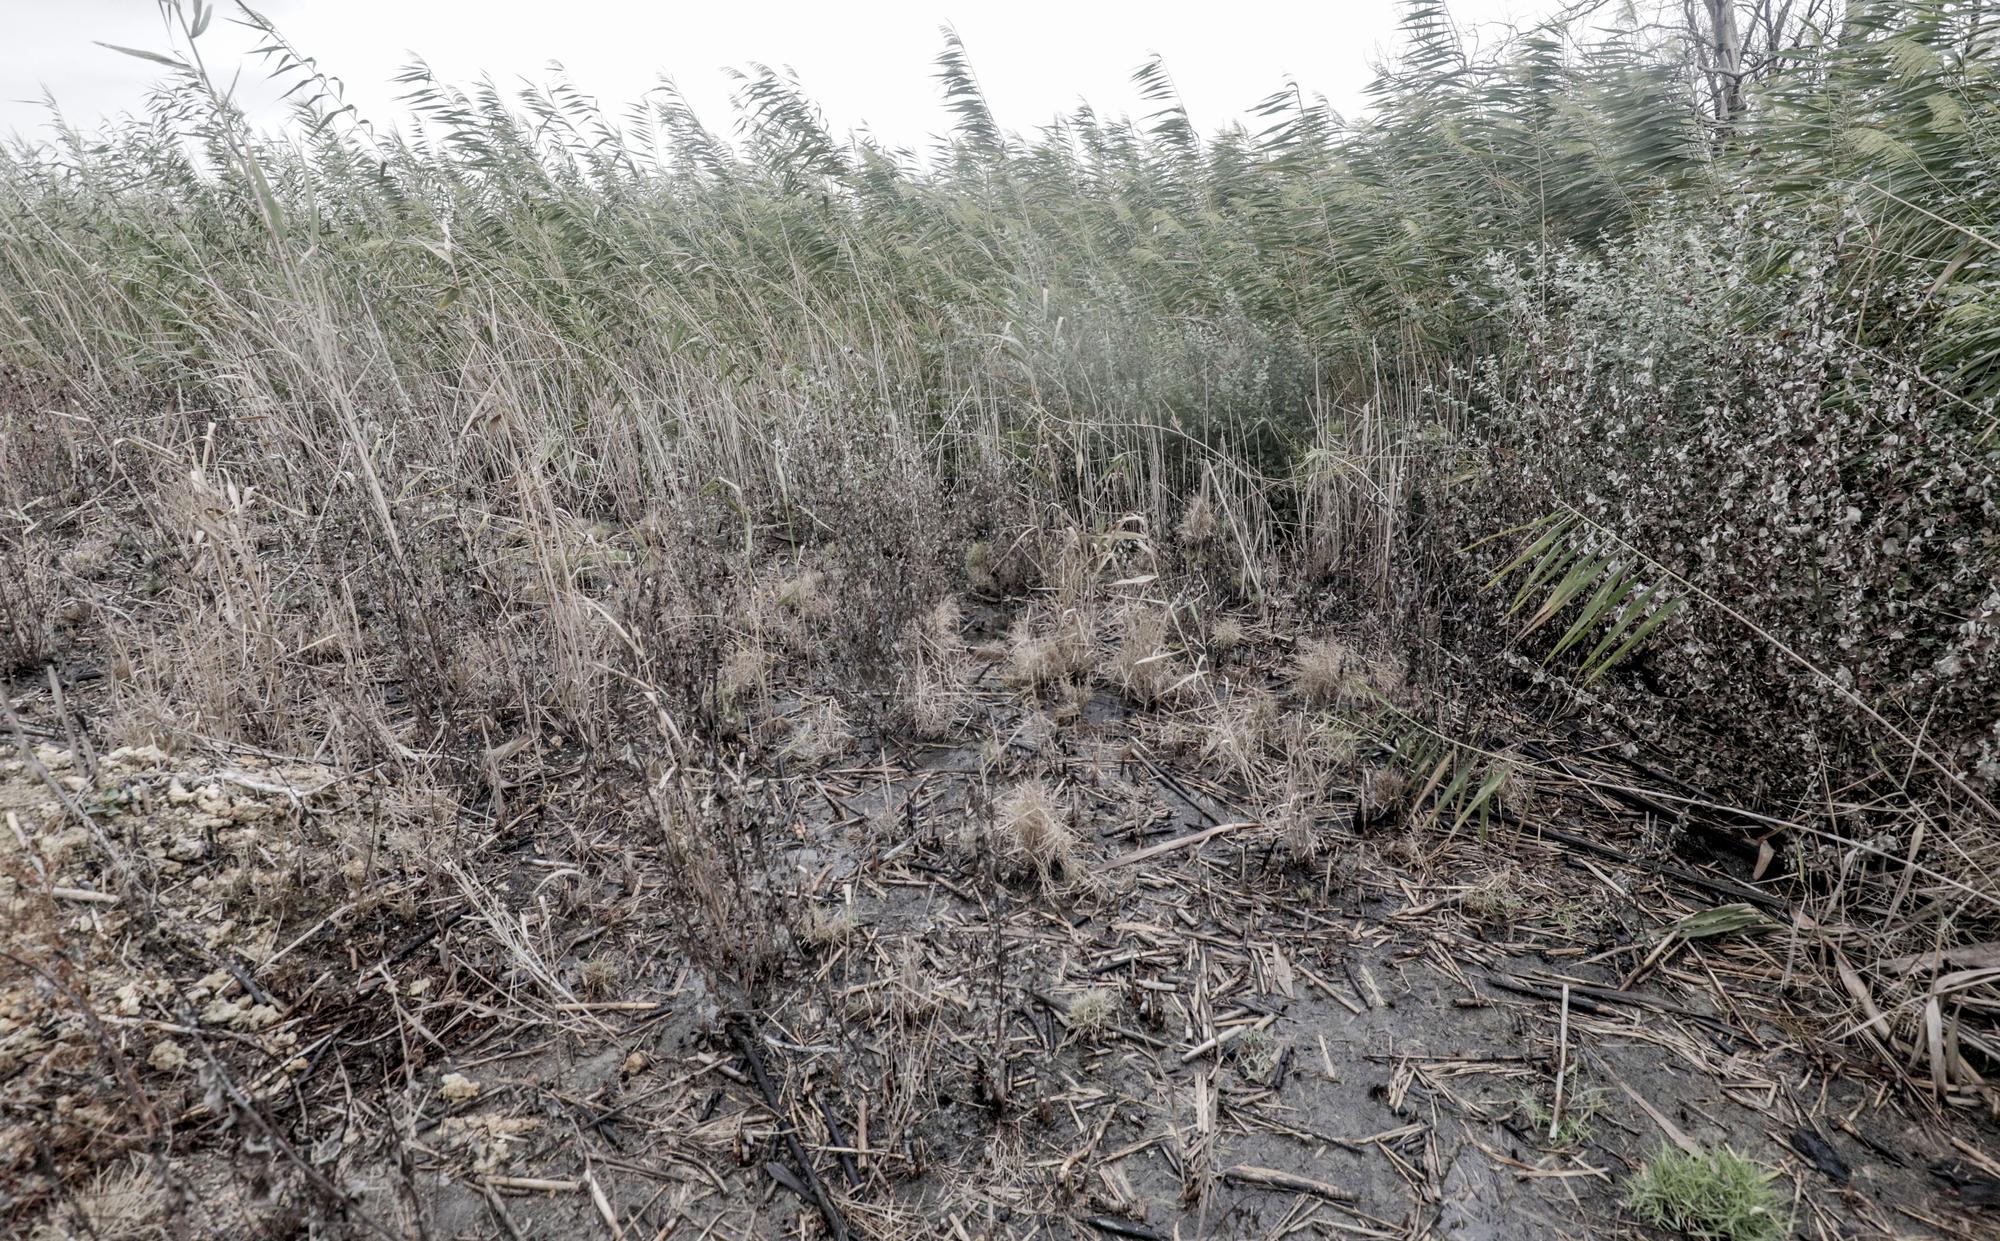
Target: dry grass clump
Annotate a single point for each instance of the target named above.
(599, 975)
(1331, 745)
(743, 686)
(1199, 526)
(818, 732)
(934, 681)
(1218, 534)
(1516, 792)
(1389, 678)
(1061, 560)
(1040, 661)
(1093, 1012)
(1032, 745)
(992, 569)
(941, 629)
(828, 926)
(1226, 637)
(31, 597)
(743, 673)
(126, 1202)
(1383, 791)
(1310, 777)
(1296, 823)
(789, 607)
(1326, 671)
(1032, 833)
(1144, 663)
(931, 705)
(90, 558)
(484, 672)
(1329, 672)
(1076, 572)
(1241, 734)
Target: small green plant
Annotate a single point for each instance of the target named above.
(1497, 901)
(1714, 1196)
(1588, 914)
(1256, 1055)
(1577, 1124)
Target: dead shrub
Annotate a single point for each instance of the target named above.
(31, 596)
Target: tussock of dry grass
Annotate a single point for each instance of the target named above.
(1200, 525)
(1075, 577)
(742, 676)
(1000, 569)
(935, 675)
(828, 925)
(1145, 663)
(1516, 792)
(127, 1202)
(931, 708)
(1296, 825)
(1226, 637)
(1383, 791)
(1311, 778)
(1499, 900)
(1042, 661)
(1093, 1012)
(1238, 738)
(941, 629)
(599, 975)
(1389, 678)
(819, 731)
(1326, 671)
(788, 607)
(1032, 832)
(1329, 672)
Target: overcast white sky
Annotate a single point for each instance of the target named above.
(868, 65)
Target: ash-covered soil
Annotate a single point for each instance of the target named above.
(1047, 976)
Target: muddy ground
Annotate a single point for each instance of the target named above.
(245, 994)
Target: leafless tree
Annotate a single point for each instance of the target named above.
(1734, 43)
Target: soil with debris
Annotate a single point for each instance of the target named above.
(245, 994)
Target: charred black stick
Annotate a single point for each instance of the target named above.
(746, 1042)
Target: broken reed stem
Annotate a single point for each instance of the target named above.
(1225, 1037)
(1179, 842)
(1562, 1065)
